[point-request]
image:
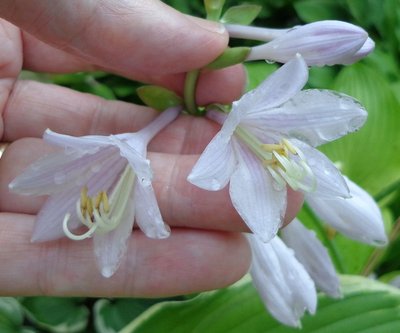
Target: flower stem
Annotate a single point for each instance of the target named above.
(328, 243)
(254, 33)
(189, 93)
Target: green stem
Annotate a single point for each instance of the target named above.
(328, 243)
(190, 91)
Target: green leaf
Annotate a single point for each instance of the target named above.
(111, 316)
(158, 98)
(242, 14)
(367, 306)
(56, 314)
(366, 12)
(370, 157)
(214, 9)
(11, 315)
(317, 10)
(230, 57)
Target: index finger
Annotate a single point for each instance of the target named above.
(141, 39)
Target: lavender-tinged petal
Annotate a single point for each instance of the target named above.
(59, 171)
(329, 181)
(310, 252)
(366, 49)
(48, 225)
(320, 43)
(215, 166)
(79, 143)
(282, 282)
(313, 116)
(110, 247)
(147, 213)
(137, 160)
(278, 88)
(253, 195)
(358, 217)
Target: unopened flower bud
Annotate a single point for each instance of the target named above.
(320, 43)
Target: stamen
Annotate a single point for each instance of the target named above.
(105, 203)
(100, 214)
(285, 162)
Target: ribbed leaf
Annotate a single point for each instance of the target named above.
(367, 306)
(11, 315)
(56, 314)
(370, 157)
(317, 10)
(111, 316)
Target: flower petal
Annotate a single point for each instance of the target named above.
(215, 166)
(312, 254)
(59, 171)
(330, 182)
(366, 49)
(282, 282)
(358, 217)
(79, 143)
(147, 213)
(136, 159)
(110, 247)
(314, 116)
(48, 225)
(255, 198)
(279, 87)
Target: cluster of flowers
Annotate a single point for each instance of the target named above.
(266, 143)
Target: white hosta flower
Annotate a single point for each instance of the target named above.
(357, 217)
(282, 282)
(312, 254)
(101, 183)
(267, 142)
(320, 43)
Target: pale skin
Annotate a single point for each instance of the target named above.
(206, 249)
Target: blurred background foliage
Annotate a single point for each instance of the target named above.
(370, 157)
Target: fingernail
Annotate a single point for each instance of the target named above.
(211, 26)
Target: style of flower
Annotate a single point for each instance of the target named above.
(267, 142)
(101, 183)
(358, 217)
(320, 43)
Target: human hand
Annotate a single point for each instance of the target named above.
(202, 252)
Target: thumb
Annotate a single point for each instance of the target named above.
(141, 39)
